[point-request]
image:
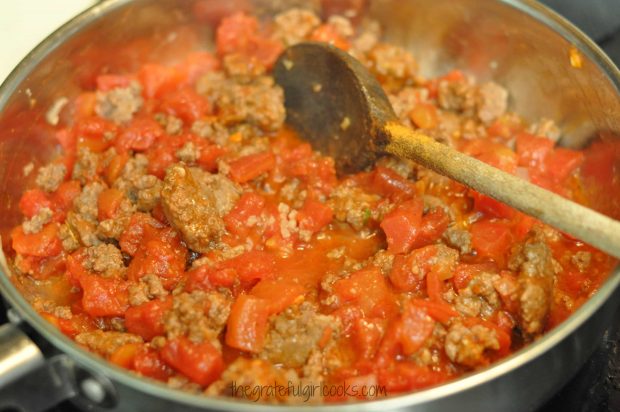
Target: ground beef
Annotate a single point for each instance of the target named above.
(36, 222)
(81, 229)
(351, 204)
(104, 259)
(86, 203)
(225, 191)
(581, 260)
(114, 227)
(51, 176)
(383, 260)
(119, 104)
(190, 210)
(106, 343)
(171, 124)
(242, 67)
(403, 167)
(479, 298)
(70, 240)
(467, 345)
(188, 153)
(260, 102)
(391, 62)
(367, 38)
(545, 128)
(295, 25)
(295, 333)
(492, 102)
(212, 130)
(458, 96)
(342, 25)
(201, 316)
(253, 373)
(537, 270)
(86, 165)
(458, 238)
(147, 288)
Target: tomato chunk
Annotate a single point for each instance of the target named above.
(104, 296)
(147, 319)
(251, 166)
(491, 238)
(314, 215)
(202, 363)
(402, 226)
(280, 293)
(42, 244)
(247, 323)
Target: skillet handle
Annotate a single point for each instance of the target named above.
(18, 354)
(29, 380)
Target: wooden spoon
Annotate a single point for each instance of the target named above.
(336, 104)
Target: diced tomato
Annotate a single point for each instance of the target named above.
(139, 135)
(241, 34)
(94, 133)
(327, 33)
(280, 293)
(209, 153)
(407, 376)
(523, 225)
(252, 266)
(249, 204)
(207, 278)
(149, 363)
(434, 286)
(147, 319)
(64, 196)
(251, 166)
(32, 201)
(314, 215)
(402, 277)
(197, 64)
(202, 362)
(108, 203)
(163, 255)
(532, 150)
(158, 80)
(125, 355)
(115, 167)
(185, 104)
(84, 106)
(368, 289)
(415, 328)
(41, 244)
(366, 336)
(387, 182)
(494, 154)
(438, 310)
(492, 238)
(402, 226)
(104, 296)
(490, 206)
(247, 323)
(465, 271)
(106, 82)
(434, 224)
(141, 226)
(562, 162)
(424, 115)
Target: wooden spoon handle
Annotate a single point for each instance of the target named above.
(585, 224)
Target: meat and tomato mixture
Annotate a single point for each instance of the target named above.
(184, 233)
